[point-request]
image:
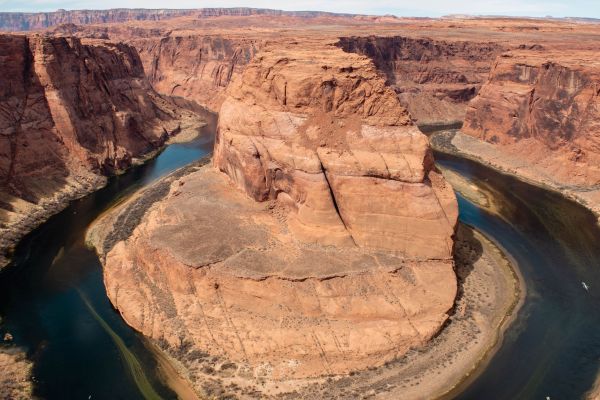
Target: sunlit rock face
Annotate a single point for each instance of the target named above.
(543, 109)
(318, 129)
(317, 242)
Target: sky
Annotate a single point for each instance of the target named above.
(419, 8)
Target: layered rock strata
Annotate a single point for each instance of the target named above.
(325, 247)
(434, 79)
(324, 135)
(196, 67)
(17, 21)
(70, 114)
(538, 116)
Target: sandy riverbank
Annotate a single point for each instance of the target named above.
(15, 379)
(594, 393)
(456, 143)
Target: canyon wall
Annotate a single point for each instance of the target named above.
(17, 21)
(196, 67)
(434, 79)
(70, 114)
(540, 111)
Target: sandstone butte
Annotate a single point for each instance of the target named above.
(318, 242)
(71, 113)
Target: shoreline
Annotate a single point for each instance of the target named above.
(40, 213)
(508, 319)
(431, 371)
(443, 142)
(12, 233)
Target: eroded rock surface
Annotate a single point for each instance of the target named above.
(539, 114)
(15, 380)
(325, 246)
(196, 67)
(434, 79)
(318, 129)
(70, 114)
(19, 21)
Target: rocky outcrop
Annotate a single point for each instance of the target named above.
(324, 134)
(70, 114)
(434, 79)
(539, 112)
(17, 21)
(324, 248)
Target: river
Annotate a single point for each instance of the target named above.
(53, 300)
(54, 303)
(553, 347)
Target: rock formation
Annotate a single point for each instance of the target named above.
(435, 79)
(540, 114)
(15, 380)
(17, 21)
(70, 114)
(325, 247)
(196, 67)
(325, 135)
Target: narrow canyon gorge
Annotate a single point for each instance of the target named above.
(318, 240)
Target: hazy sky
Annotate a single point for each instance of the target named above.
(434, 8)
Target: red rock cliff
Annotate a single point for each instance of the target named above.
(543, 108)
(196, 67)
(318, 129)
(434, 79)
(70, 113)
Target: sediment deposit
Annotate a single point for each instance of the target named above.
(15, 380)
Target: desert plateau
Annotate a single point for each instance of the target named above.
(251, 203)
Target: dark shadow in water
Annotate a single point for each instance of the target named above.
(40, 302)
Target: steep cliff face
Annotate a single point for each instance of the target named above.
(324, 248)
(434, 79)
(317, 128)
(196, 67)
(71, 113)
(544, 109)
(16, 21)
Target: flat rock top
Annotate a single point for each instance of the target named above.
(205, 221)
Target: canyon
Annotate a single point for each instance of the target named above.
(538, 116)
(72, 113)
(320, 240)
(306, 264)
(489, 76)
